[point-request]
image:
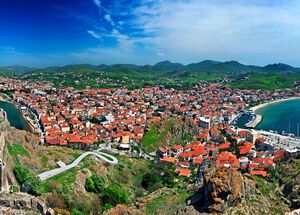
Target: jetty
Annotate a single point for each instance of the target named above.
(254, 122)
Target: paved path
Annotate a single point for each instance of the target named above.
(48, 174)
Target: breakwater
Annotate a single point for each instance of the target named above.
(253, 123)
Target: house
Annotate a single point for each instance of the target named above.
(224, 146)
(262, 144)
(259, 172)
(170, 160)
(176, 150)
(245, 148)
(228, 160)
(163, 152)
(186, 156)
(198, 160)
(183, 172)
(185, 165)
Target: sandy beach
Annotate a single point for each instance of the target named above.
(271, 102)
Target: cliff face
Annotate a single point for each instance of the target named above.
(15, 203)
(288, 174)
(231, 192)
(182, 130)
(224, 189)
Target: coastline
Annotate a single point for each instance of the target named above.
(271, 102)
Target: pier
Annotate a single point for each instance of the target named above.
(253, 123)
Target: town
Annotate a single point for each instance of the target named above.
(88, 118)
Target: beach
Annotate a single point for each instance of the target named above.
(272, 102)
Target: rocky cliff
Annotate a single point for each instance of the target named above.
(288, 174)
(15, 203)
(182, 130)
(231, 192)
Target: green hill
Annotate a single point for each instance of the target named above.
(165, 72)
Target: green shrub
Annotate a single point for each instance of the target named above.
(27, 180)
(114, 194)
(95, 183)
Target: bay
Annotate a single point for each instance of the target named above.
(281, 117)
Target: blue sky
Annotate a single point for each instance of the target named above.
(58, 32)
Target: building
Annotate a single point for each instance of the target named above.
(204, 122)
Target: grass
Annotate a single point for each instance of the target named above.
(154, 137)
(167, 202)
(44, 161)
(263, 186)
(156, 204)
(65, 179)
(17, 149)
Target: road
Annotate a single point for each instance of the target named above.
(48, 174)
(108, 147)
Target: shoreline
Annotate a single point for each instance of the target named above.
(271, 102)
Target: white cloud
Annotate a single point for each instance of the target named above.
(108, 18)
(194, 30)
(94, 34)
(255, 32)
(97, 3)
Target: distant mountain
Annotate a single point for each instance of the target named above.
(15, 70)
(201, 65)
(168, 66)
(279, 67)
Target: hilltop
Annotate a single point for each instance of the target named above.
(166, 72)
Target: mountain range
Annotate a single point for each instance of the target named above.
(164, 68)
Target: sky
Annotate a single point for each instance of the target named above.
(42, 33)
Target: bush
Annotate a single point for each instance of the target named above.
(151, 181)
(94, 183)
(22, 173)
(77, 212)
(27, 180)
(114, 195)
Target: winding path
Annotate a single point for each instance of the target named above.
(48, 174)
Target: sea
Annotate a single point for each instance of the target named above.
(281, 117)
(14, 116)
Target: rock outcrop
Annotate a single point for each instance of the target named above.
(230, 192)
(122, 210)
(225, 188)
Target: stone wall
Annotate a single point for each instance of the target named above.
(24, 203)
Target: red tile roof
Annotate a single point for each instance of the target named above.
(169, 160)
(183, 172)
